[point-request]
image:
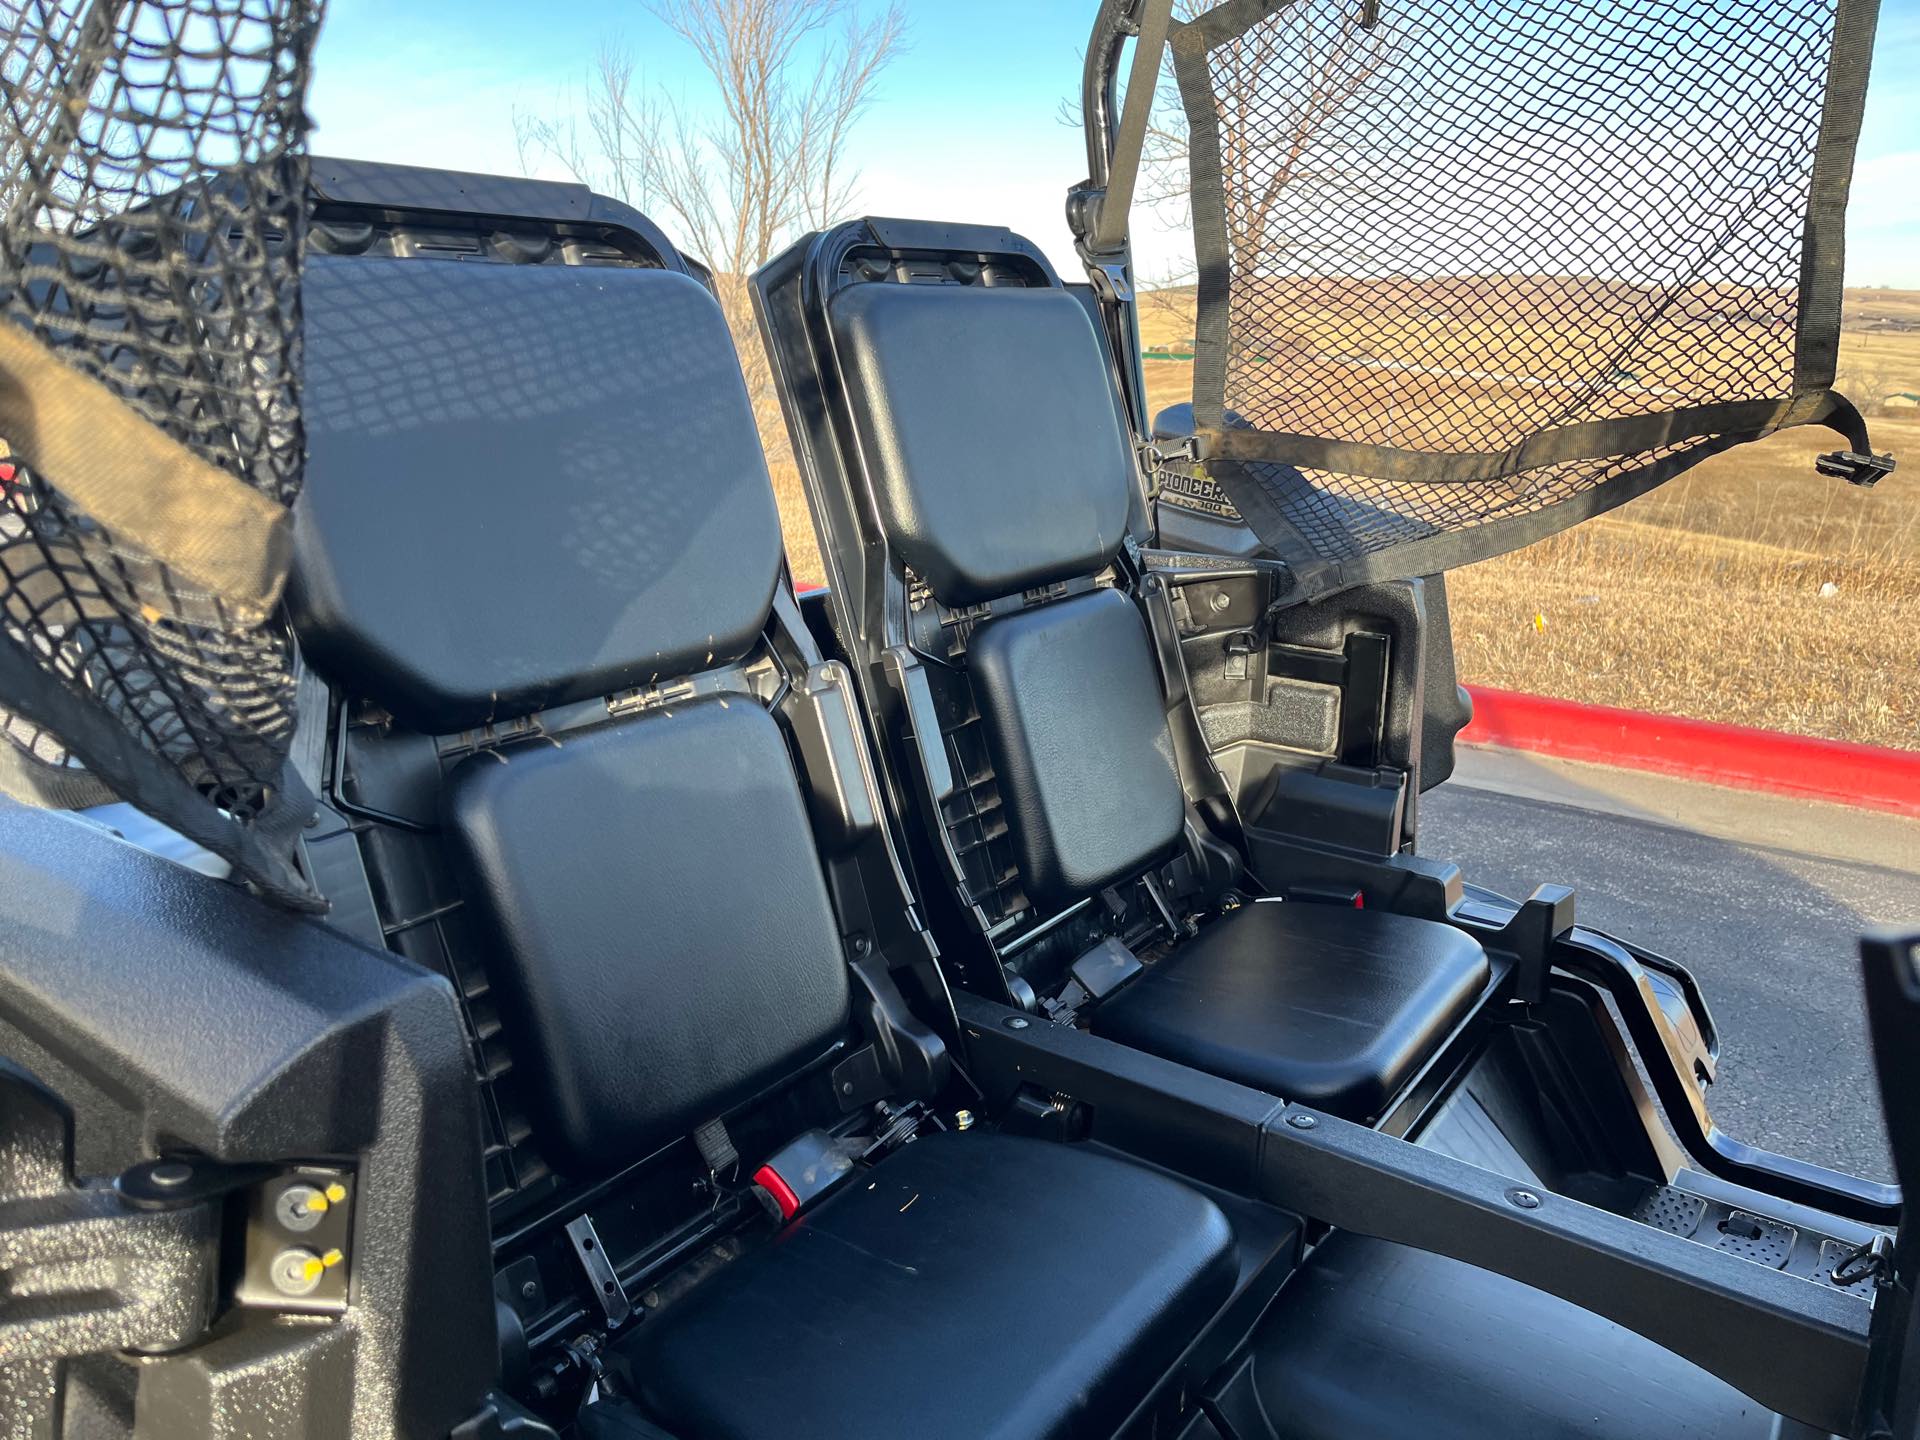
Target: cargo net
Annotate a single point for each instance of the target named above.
(152, 194)
(1462, 262)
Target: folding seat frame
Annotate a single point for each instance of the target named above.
(897, 636)
(376, 850)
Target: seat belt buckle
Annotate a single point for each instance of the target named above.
(803, 1171)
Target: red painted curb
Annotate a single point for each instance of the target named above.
(1869, 776)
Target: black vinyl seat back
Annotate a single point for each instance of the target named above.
(664, 934)
(538, 487)
(1071, 706)
(985, 452)
(991, 433)
(537, 559)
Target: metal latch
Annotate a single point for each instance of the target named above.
(1109, 277)
(1871, 1261)
(634, 702)
(1856, 468)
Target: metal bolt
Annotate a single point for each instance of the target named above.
(1016, 1022)
(1525, 1199)
(846, 1087)
(1302, 1121)
(963, 1119)
(529, 1290)
(1220, 600)
(296, 1208)
(297, 1271)
(170, 1174)
(861, 945)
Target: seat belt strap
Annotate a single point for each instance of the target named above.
(716, 1147)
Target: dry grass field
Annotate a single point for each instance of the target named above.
(803, 550)
(1750, 590)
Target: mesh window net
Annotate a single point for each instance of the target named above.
(1472, 270)
(152, 198)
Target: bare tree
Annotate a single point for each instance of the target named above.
(763, 160)
(1315, 60)
(1276, 86)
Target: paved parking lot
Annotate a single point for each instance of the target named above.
(1762, 897)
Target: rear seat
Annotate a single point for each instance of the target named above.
(998, 463)
(532, 487)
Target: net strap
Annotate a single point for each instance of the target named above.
(1130, 136)
(1823, 247)
(40, 783)
(1241, 463)
(1591, 440)
(261, 851)
(208, 527)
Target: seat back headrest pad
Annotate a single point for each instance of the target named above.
(527, 485)
(991, 433)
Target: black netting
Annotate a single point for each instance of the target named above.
(1464, 261)
(152, 204)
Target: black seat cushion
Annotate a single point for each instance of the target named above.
(526, 484)
(1070, 702)
(1394, 1344)
(990, 432)
(970, 1286)
(663, 938)
(1319, 1004)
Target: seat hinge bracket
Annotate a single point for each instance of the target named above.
(601, 1279)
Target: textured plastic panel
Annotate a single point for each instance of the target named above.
(177, 1012)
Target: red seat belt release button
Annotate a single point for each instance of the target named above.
(803, 1170)
(781, 1193)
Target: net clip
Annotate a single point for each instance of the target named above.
(1856, 468)
(1170, 450)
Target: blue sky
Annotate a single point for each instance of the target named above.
(965, 126)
